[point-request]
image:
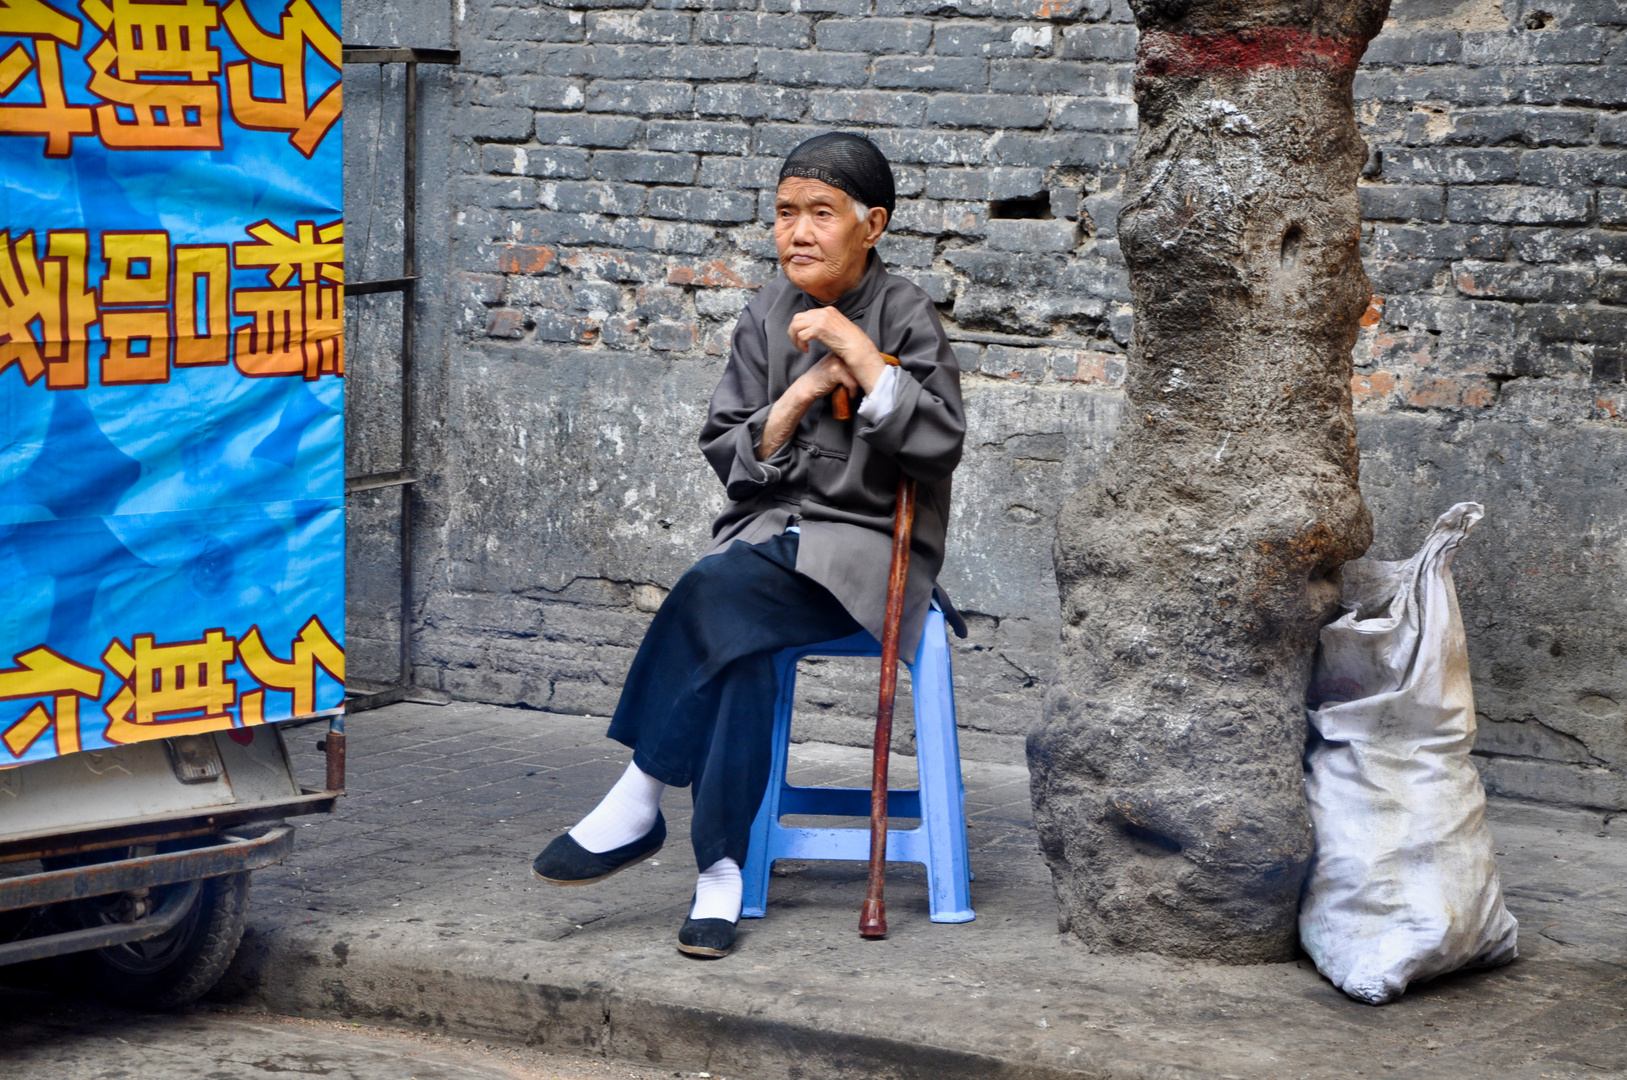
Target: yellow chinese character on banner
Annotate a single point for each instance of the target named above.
(46, 310)
(55, 119)
(296, 330)
(169, 685)
(300, 24)
(42, 673)
(135, 308)
(313, 648)
(155, 62)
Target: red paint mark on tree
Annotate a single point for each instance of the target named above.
(1166, 54)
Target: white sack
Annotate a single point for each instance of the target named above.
(1404, 883)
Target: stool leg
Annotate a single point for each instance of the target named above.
(937, 749)
(759, 861)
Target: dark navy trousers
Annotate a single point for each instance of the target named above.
(698, 706)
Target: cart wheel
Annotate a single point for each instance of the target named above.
(179, 967)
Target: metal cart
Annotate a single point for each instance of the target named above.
(127, 870)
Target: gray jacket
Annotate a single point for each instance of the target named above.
(838, 479)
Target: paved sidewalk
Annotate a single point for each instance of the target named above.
(415, 905)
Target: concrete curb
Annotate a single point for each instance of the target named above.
(297, 975)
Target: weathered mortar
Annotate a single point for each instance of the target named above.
(602, 223)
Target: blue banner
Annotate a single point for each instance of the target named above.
(171, 369)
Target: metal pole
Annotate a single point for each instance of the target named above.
(409, 299)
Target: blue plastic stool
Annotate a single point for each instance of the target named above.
(939, 841)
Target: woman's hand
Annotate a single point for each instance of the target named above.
(845, 341)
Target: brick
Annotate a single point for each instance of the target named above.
(884, 37)
(644, 166)
(930, 147)
(799, 68)
(530, 92)
(1522, 281)
(1401, 202)
(957, 184)
(1100, 274)
(1444, 166)
(698, 137)
(580, 129)
(911, 251)
(1613, 129)
(1613, 206)
(1103, 209)
(560, 327)
(596, 296)
(1031, 235)
(1099, 43)
(672, 337)
(574, 197)
(1016, 364)
(1572, 45)
(990, 40)
(1519, 206)
(821, 7)
(722, 303)
(932, 72)
(1529, 126)
(1089, 367)
(1049, 77)
(497, 192)
(735, 273)
(1093, 114)
(536, 25)
(777, 140)
(868, 107)
(986, 111)
(1569, 245)
(1390, 277)
(739, 172)
(702, 204)
(939, 218)
(751, 102)
(645, 27)
(1003, 268)
(754, 28)
(1576, 322)
(1574, 168)
(548, 161)
(649, 98)
(1413, 47)
(596, 61)
(1438, 241)
(705, 63)
(524, 259)
(1081, 150)
(498, 125)
(505, 323)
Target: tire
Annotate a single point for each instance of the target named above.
(179, 967)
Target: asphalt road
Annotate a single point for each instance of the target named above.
(45, 1037)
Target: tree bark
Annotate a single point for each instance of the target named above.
(1197, 569)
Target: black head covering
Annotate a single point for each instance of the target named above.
(850, 163)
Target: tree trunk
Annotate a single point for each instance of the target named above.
(1197, 569)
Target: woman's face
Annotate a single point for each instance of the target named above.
(824, 245)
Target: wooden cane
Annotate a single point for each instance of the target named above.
(873, 916)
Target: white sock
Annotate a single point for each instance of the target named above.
(717, 892)
(626, 813)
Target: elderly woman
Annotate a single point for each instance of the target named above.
(801, 551)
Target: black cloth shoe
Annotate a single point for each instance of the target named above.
(565, 862)
(709, 938)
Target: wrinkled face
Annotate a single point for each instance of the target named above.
(823, 241)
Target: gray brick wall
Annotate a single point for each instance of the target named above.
(614, 163)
